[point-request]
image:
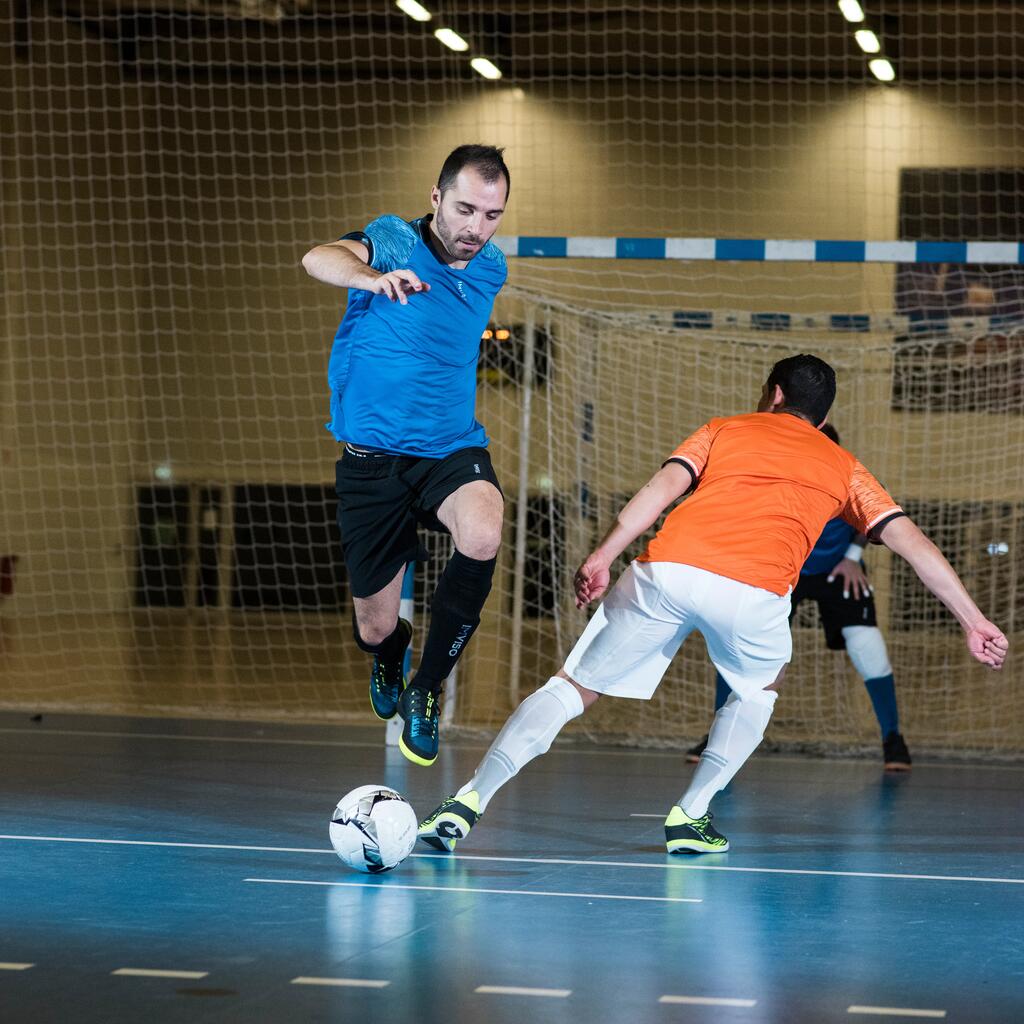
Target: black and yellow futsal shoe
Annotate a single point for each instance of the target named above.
(684, 834)
(387, 679)
(451, 821)
(421, 709)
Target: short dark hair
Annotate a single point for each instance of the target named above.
(808, 385)
(830, 432)
(487, 161)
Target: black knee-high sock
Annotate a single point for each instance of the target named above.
(455, 614)
(391, 648)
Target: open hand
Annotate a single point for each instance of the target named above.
(855, 579)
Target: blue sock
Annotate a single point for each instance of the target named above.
(722, 691)
(882, 692)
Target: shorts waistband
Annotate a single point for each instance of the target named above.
(365, 453)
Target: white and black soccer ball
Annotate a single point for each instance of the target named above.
(373, 829)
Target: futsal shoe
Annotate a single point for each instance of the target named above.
(895, 753)
(451, 821)
(684, 834)
(387, 679)
(420, 708)
(693, 754)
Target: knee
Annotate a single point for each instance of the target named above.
(374, 632)
(480, 540)
(589, 697)
(866, 647)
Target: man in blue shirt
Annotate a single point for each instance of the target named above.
(834, 577)
(402, 375)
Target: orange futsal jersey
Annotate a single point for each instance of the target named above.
(766, 485)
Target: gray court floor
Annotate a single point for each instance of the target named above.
(162, 871)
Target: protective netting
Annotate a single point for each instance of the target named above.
(166, 507)
(939, 421)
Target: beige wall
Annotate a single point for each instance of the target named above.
(154, 309)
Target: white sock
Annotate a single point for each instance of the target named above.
(737, 730)
(527, 734)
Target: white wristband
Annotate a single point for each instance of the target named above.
(854, 553)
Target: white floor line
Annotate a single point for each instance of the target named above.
(474, 890)
(649, 815)
(284, 742)
(341, 982)
(512, 990)
(187, 846)
(322, 852)
(895, 1011)
(147, 972)
(707, 1001)
(281, 741)
(721, 867)
(478, 745)
(272, 741)
(15, 967)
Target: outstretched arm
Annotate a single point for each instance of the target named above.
(639, 515)
(344, 265)
(985, 641)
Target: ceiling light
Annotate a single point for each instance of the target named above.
(452, 39)
(415, 11)
(867, 40)
(852, 11)
(482, 66)
(882, 69)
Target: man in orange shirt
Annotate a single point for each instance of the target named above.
(724, 563)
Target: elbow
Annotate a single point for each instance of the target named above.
(309, 261)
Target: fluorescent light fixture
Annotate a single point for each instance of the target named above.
(452, 40)
(882, 69)
(482, 66)
(867, 40)
(415, 11)
(852, 11)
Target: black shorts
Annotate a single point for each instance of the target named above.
(382, 499)
(835, 610)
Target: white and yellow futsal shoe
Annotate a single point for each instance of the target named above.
(451, 821)
(684, 834)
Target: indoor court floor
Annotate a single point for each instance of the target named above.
(161, 871)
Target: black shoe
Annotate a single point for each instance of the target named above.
(684, 834)
(895, 753)
(420, 709)
(451, 821)
(693, 754)
(387, 679)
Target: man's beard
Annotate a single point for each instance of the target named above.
(452, 244)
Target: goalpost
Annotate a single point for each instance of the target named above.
(167, 543)
(935, 413)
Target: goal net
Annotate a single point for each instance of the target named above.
(167, 537)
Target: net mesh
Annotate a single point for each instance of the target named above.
(166, 498)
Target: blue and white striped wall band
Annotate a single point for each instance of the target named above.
(889, 323)
(759, 250)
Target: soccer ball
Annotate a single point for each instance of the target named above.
(373, 829)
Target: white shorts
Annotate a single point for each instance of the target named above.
(653, 608)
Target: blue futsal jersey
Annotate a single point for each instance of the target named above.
(403, 378)
(829, 548)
